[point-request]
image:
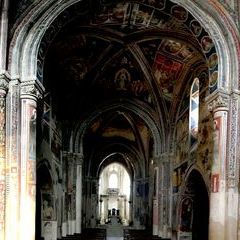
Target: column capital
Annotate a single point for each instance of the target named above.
(32, 89)
(165, 157)
(4, 81)
(78, 157)
(218, 101)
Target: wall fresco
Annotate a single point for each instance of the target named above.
(182, 139)
(166, 72)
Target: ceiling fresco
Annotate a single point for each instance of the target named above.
(145, 52)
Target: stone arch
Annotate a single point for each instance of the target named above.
(197, 195)
(132, 168)
(124, 105)
(45, 164)
(27, 37)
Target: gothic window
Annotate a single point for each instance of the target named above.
(194, 111)
(113, 181)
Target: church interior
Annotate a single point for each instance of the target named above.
(119, 120)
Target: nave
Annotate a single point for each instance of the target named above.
(119, 119)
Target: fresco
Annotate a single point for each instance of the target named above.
(166, 72)
(115, 132)
(179, 13)
(178, 49)
(186, 215)
(196, 28)
(123, 78)
(205, 152)
(149, 49)
(47, 206)
(141, 15)
(182, 139)
(207, 43)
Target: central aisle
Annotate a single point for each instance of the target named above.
(114, 230)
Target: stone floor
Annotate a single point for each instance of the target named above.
(114, 230)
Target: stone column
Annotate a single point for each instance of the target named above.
(155, 201)
(125, 208)
(30, 92)
(3, 91)
(164, 229)
(12, 161)
(79, 160)
(218, 105)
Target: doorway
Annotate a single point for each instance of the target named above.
(114, 195)
(194, 209)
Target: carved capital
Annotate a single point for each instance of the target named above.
(219, 101)
(32, 89)
(74, 157)
(79, 158)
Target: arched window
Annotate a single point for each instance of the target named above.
(113, 181)
(194, 111)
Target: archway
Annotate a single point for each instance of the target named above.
(114, 195)
(25, 46)
(194, 209)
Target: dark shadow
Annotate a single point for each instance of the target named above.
(197, 187)
(44, 183)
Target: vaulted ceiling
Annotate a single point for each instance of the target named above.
(144, 52)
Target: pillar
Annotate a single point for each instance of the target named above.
(3, 91)
(79, 160)
(12, 161)
(155, 202)
(164, 196)
(30, 92)
(218, 105)
(125, 208)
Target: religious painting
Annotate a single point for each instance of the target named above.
(141, 15)
(182, 138)
(172, 47)
(196, 28)
(159, 19)
(122, 79)
(49, 230)
(183, 51)
(180, 13)
(159, 4)
(32, 132)
(216, 147)
(47, 206)
(213, 61)
(166, 72)
(186, 215)
(207, 43)
(121, 13)
(149, 48)
(213, 79)
(205, 144)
